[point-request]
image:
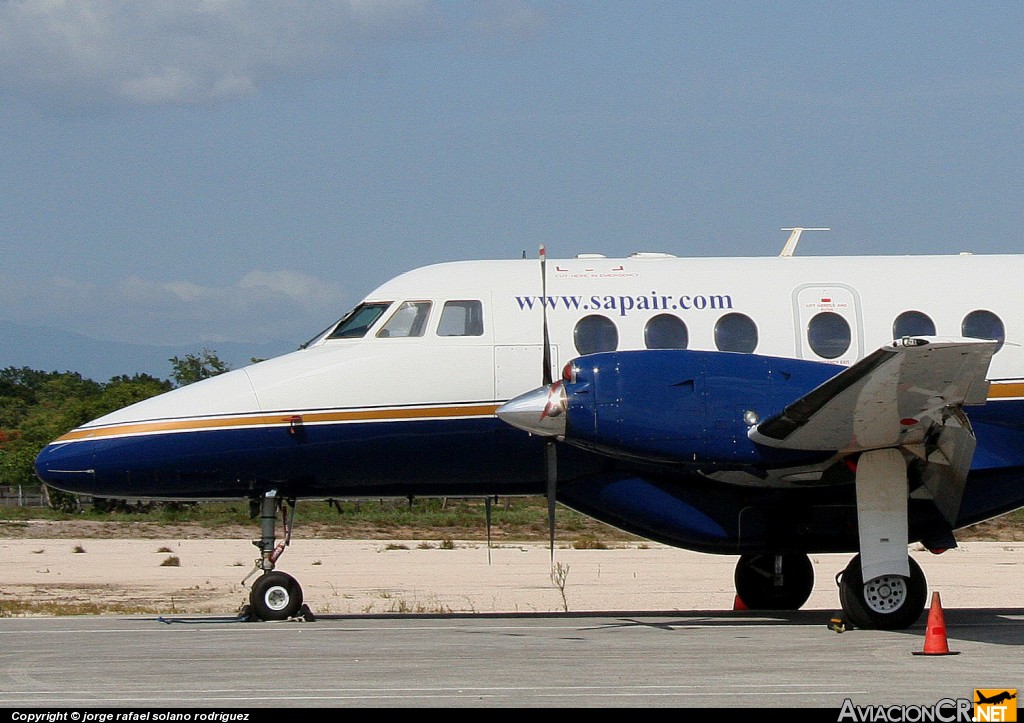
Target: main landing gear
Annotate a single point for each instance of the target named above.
(275, 595)
(783, 581)
(887, 602)
(779, 581)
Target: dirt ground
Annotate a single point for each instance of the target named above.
(88, 567)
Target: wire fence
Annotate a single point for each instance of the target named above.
(19, 496)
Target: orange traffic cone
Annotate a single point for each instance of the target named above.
(935, 635)
(738, 604)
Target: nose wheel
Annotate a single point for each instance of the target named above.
(275, 596)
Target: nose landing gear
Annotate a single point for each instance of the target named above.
(275, 595)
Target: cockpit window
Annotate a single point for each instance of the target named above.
(410, 319)
(355, 324)
(461, 318)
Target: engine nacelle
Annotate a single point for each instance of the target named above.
(682, 406)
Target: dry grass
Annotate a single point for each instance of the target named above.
(26, 608)
(1008, 528)
(530, 525)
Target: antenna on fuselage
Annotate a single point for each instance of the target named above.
(794, 238)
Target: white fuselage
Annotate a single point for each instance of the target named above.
(779, 295)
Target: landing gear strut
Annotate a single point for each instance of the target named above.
(274, 595)
(888, 602)
(774, 581)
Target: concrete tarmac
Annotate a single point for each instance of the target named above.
(627, 659)
(404, 625)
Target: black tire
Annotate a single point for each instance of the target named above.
(275, 596)
(893, 603)
(755, 581)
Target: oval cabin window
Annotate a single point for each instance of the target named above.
(595, 333)
(983, 324)
(736, 332)
(828, 335)
(665, 331)
(912, 323)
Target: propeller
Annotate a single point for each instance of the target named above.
(542, 411)
(550, 453)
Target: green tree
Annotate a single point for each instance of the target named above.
(196, 367)
(124, 390)
(37, 407)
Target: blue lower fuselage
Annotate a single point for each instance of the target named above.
(482, 456)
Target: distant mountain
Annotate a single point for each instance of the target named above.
(54, 350)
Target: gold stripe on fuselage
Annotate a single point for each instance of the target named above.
(1005, 390)
(997, 391)
(280, 419)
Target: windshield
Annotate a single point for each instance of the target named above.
(355, 324)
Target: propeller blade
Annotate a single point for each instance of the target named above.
(487, 509)
(546, 374)
(550, 452)
(551, 463)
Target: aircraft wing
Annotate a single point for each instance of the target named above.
(891, 398)
(898, 406)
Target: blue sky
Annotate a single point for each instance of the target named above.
(210, 171)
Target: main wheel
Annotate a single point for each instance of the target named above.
(275, 596)
(888, 602)
(761, 587)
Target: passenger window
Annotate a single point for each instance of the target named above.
(984, 325)
(358, 321)
(461, 318)
(666, 331)
(828, 334)
(736, 332)
(595, 333)
(912, 323)
(409, 320)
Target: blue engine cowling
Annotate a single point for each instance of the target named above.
(685, 407)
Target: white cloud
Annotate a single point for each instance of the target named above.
(260, 306)
(304, 290)
(89, 52)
